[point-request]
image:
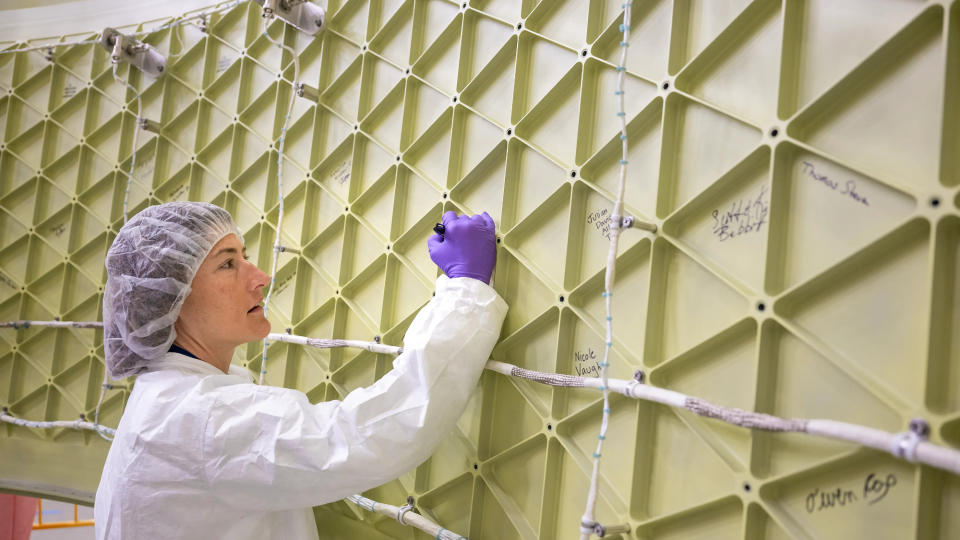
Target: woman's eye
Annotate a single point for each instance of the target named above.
(227, 265)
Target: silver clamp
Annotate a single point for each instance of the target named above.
(148, 125)
(302, 15)
(306, 91)
(284, 249)
(402, 511)
(124, 48)
(904, 445)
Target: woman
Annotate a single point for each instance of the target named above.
(202, 452)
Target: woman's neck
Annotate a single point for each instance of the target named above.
(217, 356)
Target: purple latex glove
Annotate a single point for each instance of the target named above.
(467, 248)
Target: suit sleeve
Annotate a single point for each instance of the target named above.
(269, 448)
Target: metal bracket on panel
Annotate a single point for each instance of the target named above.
(306, 91)
(124, 48)
(301, 14)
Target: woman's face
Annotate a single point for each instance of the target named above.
(224, 306)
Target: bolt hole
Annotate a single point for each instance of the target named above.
(519, 26)
(444, 195)
(666, 86)
(761, 306)
(549, 427)
(561, 299)
(935, 202)
(774, 132)
(573, 174)
(583, 52)
(356, 127)
(498, 240)
(408, 71)
(509, 131)
(346, 208)
(747, 487)
(398, 158)
(475, 466)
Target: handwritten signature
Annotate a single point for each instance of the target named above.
(587, 364)
(744, 216)
(849, 188)
(875, 488)
(600, 219)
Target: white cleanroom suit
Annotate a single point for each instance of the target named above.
(204, 455)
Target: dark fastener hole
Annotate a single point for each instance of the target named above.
(498, 240)
(666, 86)
(475, 466)
(573, 174)
(583, 52)
(454, 99)
(746, 486)
(444, 195)
(509, 131)
(774, 132)
(519, 26)
(761, 306)
(549, 427)
(935, 202)
(561, 299)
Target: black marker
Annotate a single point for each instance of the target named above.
(439, 229)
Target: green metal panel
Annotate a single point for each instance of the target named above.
(799, 157)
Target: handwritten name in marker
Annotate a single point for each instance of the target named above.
(742, 217)
(600, 219)
(848, 188)
(586, 363)
(875, 488)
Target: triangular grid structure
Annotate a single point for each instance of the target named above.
(801, 164)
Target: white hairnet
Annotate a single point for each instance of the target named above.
(150, 266)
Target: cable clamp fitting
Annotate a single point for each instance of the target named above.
(124, 48)
(905, 444)
(284, 249)
(404, 509)
(307, 92)
(622, 222)
(148, 125)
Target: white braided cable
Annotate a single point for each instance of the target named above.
(283, 135)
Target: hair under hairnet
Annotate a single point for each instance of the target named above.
(150, 266)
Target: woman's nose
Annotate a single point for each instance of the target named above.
(260, 278)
